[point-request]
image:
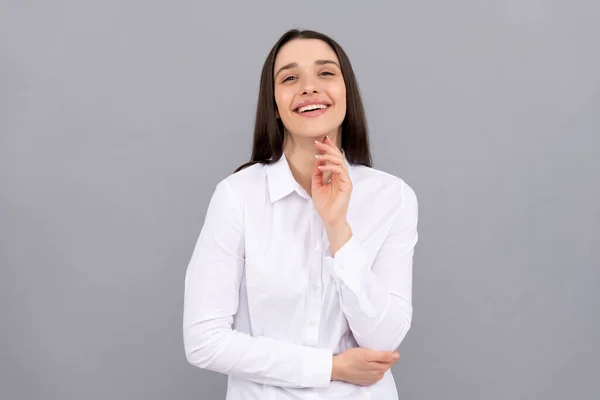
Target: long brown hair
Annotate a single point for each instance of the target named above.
(267, 145)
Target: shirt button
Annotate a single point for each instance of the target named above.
(312, 323)
(317, 247)
(315, 287)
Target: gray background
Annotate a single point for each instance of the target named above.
(117, 119)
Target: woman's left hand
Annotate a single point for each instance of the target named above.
(331, 199)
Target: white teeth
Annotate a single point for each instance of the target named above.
(311, 107)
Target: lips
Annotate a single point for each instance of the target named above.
(311, 106)
(311, 109)
(313, 113)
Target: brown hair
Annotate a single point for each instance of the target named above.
(267, 145)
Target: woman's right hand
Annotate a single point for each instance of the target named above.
(361, 366)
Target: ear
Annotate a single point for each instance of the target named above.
(276, 114)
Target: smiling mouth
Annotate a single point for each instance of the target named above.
(312, 109)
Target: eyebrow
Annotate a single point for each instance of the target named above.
(295, 65)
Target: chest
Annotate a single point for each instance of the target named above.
(284, 249)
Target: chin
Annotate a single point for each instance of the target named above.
(316, 133)
(315, 130)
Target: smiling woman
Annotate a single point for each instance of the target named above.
(305, 58)
(300, 283)
(323, 93)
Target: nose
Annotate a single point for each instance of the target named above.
(310, 85)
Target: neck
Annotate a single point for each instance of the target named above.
(300, 154)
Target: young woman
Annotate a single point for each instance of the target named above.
(300, 283)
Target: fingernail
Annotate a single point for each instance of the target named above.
(396, 355)
(318, 156)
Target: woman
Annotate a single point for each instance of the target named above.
(300, 283)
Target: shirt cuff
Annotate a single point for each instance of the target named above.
(317, 367)
(349, 261)
(349, 267)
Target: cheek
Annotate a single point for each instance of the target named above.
(338, 91)
(283, 99)
(340, 99)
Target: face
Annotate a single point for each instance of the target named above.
(310, 92)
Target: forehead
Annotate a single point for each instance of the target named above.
(304, 52)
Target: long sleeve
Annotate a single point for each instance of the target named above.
(211, 298)
(377, 298)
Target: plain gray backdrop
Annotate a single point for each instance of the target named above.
(118, 118)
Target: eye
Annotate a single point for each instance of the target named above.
(327, 73)
(289, 79)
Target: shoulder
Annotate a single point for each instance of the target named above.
(237, 186)
(371, 181)
(246, 178)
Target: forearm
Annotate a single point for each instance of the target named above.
(378, 319)
(213, 345)
(378, 310)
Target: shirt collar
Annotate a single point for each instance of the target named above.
(281, 182)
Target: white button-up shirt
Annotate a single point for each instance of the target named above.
(266, 303)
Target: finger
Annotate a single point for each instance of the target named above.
(336, 160)
(329, 151)
(385, 365)
(383, 356)
(336, 170)
(317, 178)
(327, 148)
(330, 143)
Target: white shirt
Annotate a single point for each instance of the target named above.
(267, 304)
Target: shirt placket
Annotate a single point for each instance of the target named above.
(315, 284)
